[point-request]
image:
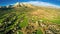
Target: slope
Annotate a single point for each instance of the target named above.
(29, 19)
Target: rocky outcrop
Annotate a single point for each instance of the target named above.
(17, 5)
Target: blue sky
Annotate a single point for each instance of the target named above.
(56, 2)
(47, 2)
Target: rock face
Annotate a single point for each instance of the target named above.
(8, 6)
(17, 5)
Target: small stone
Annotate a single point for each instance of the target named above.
(33, 32)
(9, 22)
(17, 32)
(17, 27)
(5, 22)
(13, 30)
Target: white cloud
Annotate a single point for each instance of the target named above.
(40, 3)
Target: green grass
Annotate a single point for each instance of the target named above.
(20, 16)
(39, 32)
(56, 21)
(24, 22)
(19, 32)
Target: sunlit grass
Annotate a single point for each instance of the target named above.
(21, 17)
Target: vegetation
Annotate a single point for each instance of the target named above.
(27, 20)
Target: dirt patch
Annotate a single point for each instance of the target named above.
(43, 14)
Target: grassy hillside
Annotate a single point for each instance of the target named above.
(29, 19)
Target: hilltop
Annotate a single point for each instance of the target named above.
(24, 18)
(16, 5)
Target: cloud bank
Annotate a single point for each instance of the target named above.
(40, 3)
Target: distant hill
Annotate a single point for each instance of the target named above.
(24, 18)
